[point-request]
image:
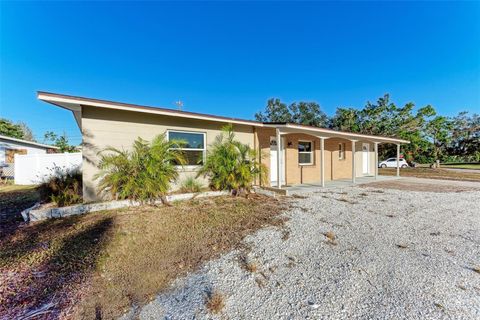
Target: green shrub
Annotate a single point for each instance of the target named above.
(143, 174)
(63, 188)
(231, 165)
(190, 185)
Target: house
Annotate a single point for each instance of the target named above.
(297, 154)
(10, 146)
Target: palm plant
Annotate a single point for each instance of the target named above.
(231, 165)
(144, 173)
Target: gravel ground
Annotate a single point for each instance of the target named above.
(395, 254)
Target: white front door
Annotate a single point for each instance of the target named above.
(366, 158)
(273, 161)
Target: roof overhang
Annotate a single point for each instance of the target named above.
(32, 143)
(286, 128)
(75, 104)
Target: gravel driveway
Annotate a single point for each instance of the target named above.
(391, 254)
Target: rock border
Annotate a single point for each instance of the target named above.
(35, 214)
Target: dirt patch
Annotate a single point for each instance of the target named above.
(417, 186)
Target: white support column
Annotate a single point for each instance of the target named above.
(279, 141)
(354, 171)
(322, 159)
(376, 159)
(398, 160)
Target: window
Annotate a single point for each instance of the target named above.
(193, 147)
(341, 151)
(305, 152)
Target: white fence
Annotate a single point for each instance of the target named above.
(35, 168)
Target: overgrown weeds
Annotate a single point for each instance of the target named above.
(246, 264)
(63, 187)
(215, 302)
(190, 185)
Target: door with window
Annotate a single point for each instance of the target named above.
(273, 161)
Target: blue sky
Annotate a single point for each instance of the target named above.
(229, 58)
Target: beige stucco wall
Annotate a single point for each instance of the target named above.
(335, 169)
(104, 127)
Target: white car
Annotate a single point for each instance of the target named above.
(392, 163)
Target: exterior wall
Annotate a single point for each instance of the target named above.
(338, 169)
(296, 173)
(335, 168)
(5, 144)
(102, 128)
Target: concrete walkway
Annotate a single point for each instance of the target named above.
(311, 187)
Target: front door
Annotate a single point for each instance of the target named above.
(273, 162)
(366, 158)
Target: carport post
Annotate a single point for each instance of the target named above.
(354, 173)
(279, 141)
(376, 159)
(398, 160)
(322, 159)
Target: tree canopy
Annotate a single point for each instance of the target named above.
(308, 113)
(15, 130)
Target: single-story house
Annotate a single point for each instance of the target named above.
(10, 146)
(298, 154)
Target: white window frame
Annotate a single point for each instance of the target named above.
(204, 150)
(304, 152)
(341, 151)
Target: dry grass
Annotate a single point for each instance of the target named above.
(215, 302)
(247, 265)
(102, 263)
(432, 174)
(331, 237)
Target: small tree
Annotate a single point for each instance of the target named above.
(231, 165)
(59, 141)
(144, 173)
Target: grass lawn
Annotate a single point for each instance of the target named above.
(463, 166)
(432, 173)
(98, 265)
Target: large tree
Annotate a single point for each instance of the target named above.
(10, 129)
(465, 136)
(18, 130)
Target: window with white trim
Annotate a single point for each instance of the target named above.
(341, 151)
(193, 145)
(305, 152)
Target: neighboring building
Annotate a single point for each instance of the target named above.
(307, 154)
(10, 146)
